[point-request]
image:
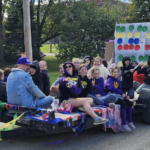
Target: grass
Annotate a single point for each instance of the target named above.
(46, 48)
(52, 67)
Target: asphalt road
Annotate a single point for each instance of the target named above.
(92, 139)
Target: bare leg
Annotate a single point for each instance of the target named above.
(54, 89)
(83, 102)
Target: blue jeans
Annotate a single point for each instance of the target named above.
(44, 102)
(130, 92)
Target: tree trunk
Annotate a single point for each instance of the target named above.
(1, 35)
(51, 46)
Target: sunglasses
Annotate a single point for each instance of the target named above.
(76, 63)
(68, 67)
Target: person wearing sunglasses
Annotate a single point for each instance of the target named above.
(70, 88)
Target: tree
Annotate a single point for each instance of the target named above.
(1, 34)
(139, 11)
(88, 30)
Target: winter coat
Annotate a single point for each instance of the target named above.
(3, 94)
(21, 89)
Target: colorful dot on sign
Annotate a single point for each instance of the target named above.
(147, 47)
(132, 58)
(122, 29)
(131, 47)
(148, 35)
(131, 41)
(145, 28)
(120, 64)
(139, 28)
(137, 47)
(131, 27)
(137, 35)
(141, 58)
(119, 41)
(129, 35)
(117, 35)
(122, 35)
(120, 47)
(136, 41)
(146, 57)
(126, 47)
(120, 57)
(118, 28)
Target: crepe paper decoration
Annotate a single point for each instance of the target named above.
(119, 41)
(117, 35)
(139, 28)
(118, 28)
(131, 28)
(147, 47)
(132, 58)
(144, 29)
(126, 47)
(111, 40)
(137, 47)
(120, 64)
(146, 57)
(120, 47)
(129, 35)
(120, 57)
(122, 29)
(131, 47)
(136, 41)
(122, 35)
(137, 35)
(148, 35)
(131, 41)
(141, 58)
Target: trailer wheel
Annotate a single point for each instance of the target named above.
(144, 98)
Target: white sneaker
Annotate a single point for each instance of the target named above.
(100, 121)
(111, 105)
(131, 125)
(126, 128)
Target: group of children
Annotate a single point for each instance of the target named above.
(82, 85)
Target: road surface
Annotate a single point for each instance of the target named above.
(92, 139)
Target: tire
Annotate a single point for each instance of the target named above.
(144, 98)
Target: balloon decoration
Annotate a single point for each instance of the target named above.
(132, 40)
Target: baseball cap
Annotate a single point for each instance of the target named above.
(23, 61)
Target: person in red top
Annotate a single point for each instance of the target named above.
(138, 79)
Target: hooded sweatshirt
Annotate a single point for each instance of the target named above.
(86, 86)
(75, 90)
(113, 85)
(88, 58)
(98, 88)
(146, 71)
(127, 76)
(38, 76)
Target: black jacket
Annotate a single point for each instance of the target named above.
(146, 71)
(86, 86)
(38, 76)
(46, 82)
(127, 76)
(3, 94)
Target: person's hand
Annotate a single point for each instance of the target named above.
(70, 85)
(93, 82)
(66, 79)
(23, 54)
(98, 95)
(128, 97)
(123, 95)
(131, 70)
(140, 64)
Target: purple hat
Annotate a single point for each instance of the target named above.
(23, 61)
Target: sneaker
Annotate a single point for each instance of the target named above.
(100, 121)
(131, 125)
(126, 128)
(111, 105)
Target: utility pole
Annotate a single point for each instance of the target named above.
(27, 29)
